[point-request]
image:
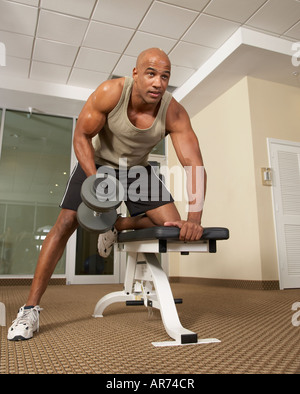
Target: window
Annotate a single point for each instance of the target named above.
(34, 169)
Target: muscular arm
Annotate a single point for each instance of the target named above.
(187, 148)
(92, 119)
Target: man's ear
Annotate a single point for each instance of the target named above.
(134, 73)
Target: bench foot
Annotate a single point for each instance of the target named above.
(176, 343)
(111, 298)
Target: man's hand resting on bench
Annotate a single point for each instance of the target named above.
(189, 231)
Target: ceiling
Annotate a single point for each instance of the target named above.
(58, 52)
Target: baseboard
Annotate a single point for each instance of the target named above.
(28, 281)
(232, 283)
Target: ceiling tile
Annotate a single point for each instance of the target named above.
(210, 31)
(34, 3)
(17, 44)
(177, 22)
(63, 28)
(190, 55)
(49, 72)
(79, 8)
(276, 16)
(234, 10)
(196, 5)
(87, 79)
(107, 37)
(179, 75)
(113, 11)
(15, 67)
(125, 66)
(142, 41)
(294, 32)
(54, 52)
(96, 60)
(18, 18)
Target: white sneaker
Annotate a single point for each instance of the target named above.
(26, 323)
(106, 242)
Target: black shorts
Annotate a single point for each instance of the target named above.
(144, 189)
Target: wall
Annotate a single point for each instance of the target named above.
(275, 113)
(224, 132)
(232, 132)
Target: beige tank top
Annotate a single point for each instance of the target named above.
(120, 142)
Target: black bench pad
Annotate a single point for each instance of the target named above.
(171, 233)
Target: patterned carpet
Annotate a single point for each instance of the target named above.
(255, 328)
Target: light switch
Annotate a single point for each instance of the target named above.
(266, 175)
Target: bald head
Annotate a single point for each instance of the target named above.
(152, 53)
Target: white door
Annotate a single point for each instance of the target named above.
(285, 163)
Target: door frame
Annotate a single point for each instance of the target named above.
(278, 220)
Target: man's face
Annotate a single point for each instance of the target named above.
(151, 77)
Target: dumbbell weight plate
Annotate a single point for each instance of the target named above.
(98, 224)
(89, 194)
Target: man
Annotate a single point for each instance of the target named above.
(123, 119)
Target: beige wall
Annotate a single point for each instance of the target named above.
(232, 132)
(275, 113)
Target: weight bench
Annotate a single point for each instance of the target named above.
(147, 284)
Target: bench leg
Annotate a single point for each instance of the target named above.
(119, 296)
(168, 309)
(161, 299)
(166, 303)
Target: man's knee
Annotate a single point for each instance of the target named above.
(66, 222)
(163, 213)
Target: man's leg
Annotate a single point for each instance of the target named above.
(154, 217)
(52, 250)
(165, 213)
(27, 321)
(152, 192)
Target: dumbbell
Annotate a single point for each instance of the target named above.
(101, 195)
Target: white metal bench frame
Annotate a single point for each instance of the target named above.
(146, 283)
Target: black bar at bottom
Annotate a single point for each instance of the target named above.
(178, 300)
(189, 338)
(141, 302)
(135, 303)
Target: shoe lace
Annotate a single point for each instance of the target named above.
(28, 314)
